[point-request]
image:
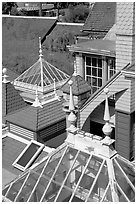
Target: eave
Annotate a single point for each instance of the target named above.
(93, 51)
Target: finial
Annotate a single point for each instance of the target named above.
(106, 114)
(4, 76)
(71, 101)
(40, 49)
(75, 68)
(107, 129)
(37, 103)
(72, 116)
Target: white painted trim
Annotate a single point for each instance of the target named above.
(35, 17)
(70, 24)
(20, 139)
(128, 73)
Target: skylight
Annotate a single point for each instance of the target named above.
(25, 159)
(45, 79)
(68, 174)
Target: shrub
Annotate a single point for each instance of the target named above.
(77, 14)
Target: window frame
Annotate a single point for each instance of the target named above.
(89, 77)
(97, 71)
(22, 168)
(111, 69)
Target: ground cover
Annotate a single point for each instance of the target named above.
(20, 43)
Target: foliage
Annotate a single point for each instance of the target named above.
(77, 14)
(20, 47)
(63, 5)
(61, 37)
(7, 7)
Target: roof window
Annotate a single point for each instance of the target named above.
(27, 156)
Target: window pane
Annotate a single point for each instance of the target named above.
(88, 61)
(108, 197)
(88, 70)
(94, 72)
(15, 188)
(111, 73)
(28, 187)
(94, 62)
(94, 89)
(64, 195)
(127, 169)
(94, 81)
(88, 79)
(33, 148)
(100, 185)
(125, 186)
(99, 82)
(99, 72)
(99, 62)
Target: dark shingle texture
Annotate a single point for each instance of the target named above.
(126, 18)
(79, 86)
(11, 99)
(101, 17)
(35, 119)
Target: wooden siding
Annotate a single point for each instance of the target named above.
(51, 130)
(21, 132)
(125, 34)
(119, 84)
(126, 101)
(124, 139)
(79, 64)
(132, 99)
(56, 141)
(3, 103)
(125, 51)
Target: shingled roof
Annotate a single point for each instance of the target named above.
(79, 86)
(101, 18)
(11, 99)
(125, 18)
(37, 118)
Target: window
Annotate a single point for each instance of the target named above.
(28, 155)
(111, 70)
(93, 72)
(95, 68)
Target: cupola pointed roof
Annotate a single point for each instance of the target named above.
(79, 85)
(41, 73)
